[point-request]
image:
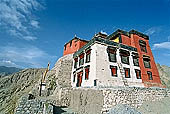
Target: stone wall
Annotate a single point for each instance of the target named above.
(101, 100)
(133, 97)
(28, 105)
(86, 101)
(63, 68)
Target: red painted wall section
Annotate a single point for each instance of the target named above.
(73, 46)
(155, 74)
(126, 40)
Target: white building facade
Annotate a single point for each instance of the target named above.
(104, 63)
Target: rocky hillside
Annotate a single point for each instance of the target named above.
(164, 72)
(12, 87)
(8, 70)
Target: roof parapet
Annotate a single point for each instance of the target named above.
(118, 31)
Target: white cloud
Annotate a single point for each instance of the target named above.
(16, 16)
(35, 23)
(152, 30)
(24, 56)
(8, 63)
(29, 38)
(163, 45)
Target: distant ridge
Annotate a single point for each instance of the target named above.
(8, 70)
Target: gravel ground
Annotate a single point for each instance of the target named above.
(156, 107)
(123, 109)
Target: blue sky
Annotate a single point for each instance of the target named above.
(33, 32)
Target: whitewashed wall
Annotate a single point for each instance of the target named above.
(92, 73)
(100, 69)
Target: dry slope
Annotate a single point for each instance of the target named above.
(12, 87)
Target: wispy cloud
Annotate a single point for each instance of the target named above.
(8, 63)
(163, 45)
(35, 23)
(24, 56)
(17, 18)
(152, 30)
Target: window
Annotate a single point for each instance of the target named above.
(74, 77)
(136, 61)
(95, 82)
(124, 56)
(127, 72)
(112, 54)
(146, 62)
(143, 46)
(81, 61)
(138, 74)
(79, 78)
(87, 73)
(75, 62)
(114, 71)
(88, 56)
(150, 75)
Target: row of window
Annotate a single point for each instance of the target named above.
(81, 59)
(113, 72)
(80, 75)
(125, 57)
(127, 73)
(112, 58)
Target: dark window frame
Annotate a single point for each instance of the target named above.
(112, 72)
(88, 56)
(78, 84)
(137, 70)
(134, 63)
(95, 82)
(143, 46)
(75, 62)
(124, 56)
(81, 59)
(127, 57)
(87, 77)
(149, 73)
(112, 54)
(74, 77)
(145, 62)
(128, 72)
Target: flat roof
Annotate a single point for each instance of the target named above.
(105, 41)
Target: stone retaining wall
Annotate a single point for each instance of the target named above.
(101, 100)
(133, 97)
(33, 106)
